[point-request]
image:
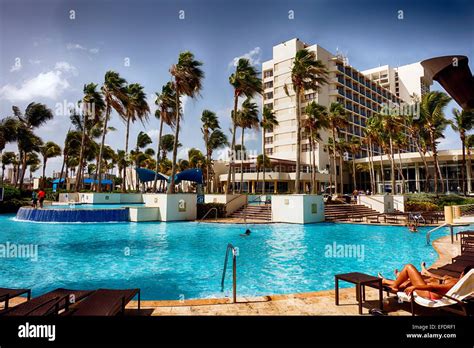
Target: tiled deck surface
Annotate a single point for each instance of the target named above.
(314, 303)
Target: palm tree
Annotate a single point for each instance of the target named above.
(317, 119)
(136, 108)
(209, 124)
(35, 116)
(400, 141)
(143, 140)
(195, 158)
(463, 122)
(8, 158)
(432, 115)
(217, 140)
(7, 135)
(262, 162)
(115, 93)
(307, 73)
(337, 119)
(269, 121)
(167, 144)
(166, 102)
(354, 146)
(33, 162)
(71, 149)
(92, 107)
(188, 78)
(247, 118)
(390, 127)
(371, 136)
(246, 82)
(49, 150)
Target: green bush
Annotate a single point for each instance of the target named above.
(421, 206)
(203, 208)
(12, 205)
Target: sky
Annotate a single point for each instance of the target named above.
(49, 49)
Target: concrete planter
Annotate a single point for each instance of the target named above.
(233, 203)
(173, 207)
(99, 198)
(380, 203)
(298, 209)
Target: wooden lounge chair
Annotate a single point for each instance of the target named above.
(460, 295)
(105, 302)
(50, 303)
(6, 294)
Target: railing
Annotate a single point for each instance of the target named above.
(230, 247)
(467, 209)
(416, 217)
(428, 234)
(207, 213)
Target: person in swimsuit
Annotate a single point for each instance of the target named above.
(246, 234)
(410, 279)
(41, 196)
(34, 199)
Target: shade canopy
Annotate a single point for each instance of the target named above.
(87, 181)
(194, 175)
(146, 175)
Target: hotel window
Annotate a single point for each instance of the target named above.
(268, 140)
(268, 95)
(268, 73)
(310, 96)
(305, 148)
(269, 106)
(268, 84)
(269, 151)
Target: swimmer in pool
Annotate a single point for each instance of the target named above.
(246, 234)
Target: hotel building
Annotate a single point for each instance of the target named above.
(362, 93)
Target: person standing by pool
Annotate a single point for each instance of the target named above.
(41, 196)
(34, 199)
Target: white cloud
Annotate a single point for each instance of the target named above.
(34, 61)
(250, 135)
(66, 67)
(76, 46)
(47, 85)
(254, 56)
(15, 67)
(153, 133)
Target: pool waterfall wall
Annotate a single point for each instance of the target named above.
(73, 215)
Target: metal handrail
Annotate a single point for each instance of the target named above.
(207, 213)
(234, 271)
(420, 217)
(428, 234)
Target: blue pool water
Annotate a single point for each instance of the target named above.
(185, 259)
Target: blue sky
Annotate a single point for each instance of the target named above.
(45, 56)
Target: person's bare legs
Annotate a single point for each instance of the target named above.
(408, 273)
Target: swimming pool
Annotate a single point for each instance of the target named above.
(185, 259)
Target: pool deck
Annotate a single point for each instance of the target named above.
(312, 303)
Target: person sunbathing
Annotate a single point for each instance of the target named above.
(410, 279)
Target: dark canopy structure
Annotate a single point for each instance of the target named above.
(87, 181)
(453, 73)
(194, 175)
(146, 175)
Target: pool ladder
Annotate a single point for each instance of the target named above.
(230, 247)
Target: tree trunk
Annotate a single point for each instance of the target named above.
(298, 141)
(400, 170)
(354, 180)
(81, 154)
(101, 151)
(158, 149)
(463, 167)
(44, 172)
(469, 169)
(435, 159)
(341, 174)
(263, 157)
(311, 163)
(127, 134)
(392, 168)
(242, 161)
(334, 160)
(232, 147)
(175, 146)
(23, 170)
(62, 171)
(313, 155)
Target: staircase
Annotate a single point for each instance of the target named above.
(262, 212)
(343, 212)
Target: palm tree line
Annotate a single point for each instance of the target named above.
(85, 149)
